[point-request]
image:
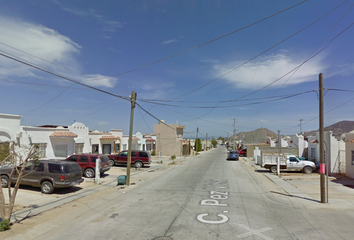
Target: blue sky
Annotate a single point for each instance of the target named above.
(98, 43)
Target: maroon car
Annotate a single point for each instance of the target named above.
(87, 162)
(138, 158)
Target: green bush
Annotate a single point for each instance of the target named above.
(4, 225)
(153, 153)
(173, 157)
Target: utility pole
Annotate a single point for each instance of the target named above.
(234, 133)
(132, 100)
(322, 165)
(159, 149)
(278, 163)
(195, 143)
(301, 125)
(206, 145)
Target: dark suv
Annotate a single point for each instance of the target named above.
(87, 162)
(47, 174)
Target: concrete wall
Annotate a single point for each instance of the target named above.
(349, 147)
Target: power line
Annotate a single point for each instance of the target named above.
(60, 76)
(231, 70)
(205, 43)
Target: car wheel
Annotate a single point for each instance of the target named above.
(273, 169)
(89, 173)
(138, 164)
(112, 162)
(4, 181)
(307, 170)
(47, 187)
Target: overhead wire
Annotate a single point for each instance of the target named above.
(205, 43)
(4, 54)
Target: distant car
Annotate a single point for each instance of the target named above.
(232, 155)
(46, 174)
(242, 152)
(87, 162)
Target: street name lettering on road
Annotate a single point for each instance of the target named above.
(215, 200)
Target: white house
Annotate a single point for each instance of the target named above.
(59, 142)
(334, 152)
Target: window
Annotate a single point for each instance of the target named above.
(73, 158)
(313, 153)
(79, 148)
(40, 149)
(83, 159)
(143, 154)
(124, 146)
(352, 157)
(123, 154)
(148, 147)
(94, 148)
(39, 167)
(133, 154)
(54, 168)
(117, 149)
(292, 159)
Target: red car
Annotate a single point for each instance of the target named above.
(87, 163)
(242, 152)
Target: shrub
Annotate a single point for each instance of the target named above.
(4, 225)
(173, 157)
(153, 153)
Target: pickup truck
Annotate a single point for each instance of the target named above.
(138, 158)
(287, 162)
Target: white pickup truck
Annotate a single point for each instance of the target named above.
(287, 162)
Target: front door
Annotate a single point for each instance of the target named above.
(106, 148)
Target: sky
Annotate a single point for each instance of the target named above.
(211, 65)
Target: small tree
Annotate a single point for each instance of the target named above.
(18, 163)
(214, 142)
(198, 144)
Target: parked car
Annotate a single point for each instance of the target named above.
(87, 162)
(286, 162)
(46, 174)
(138, 158)
(242, 152)
(233, 155)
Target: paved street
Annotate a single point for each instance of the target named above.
(205, 197)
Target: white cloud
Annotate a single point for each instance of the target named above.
(97, 80)
(41, 46)
(258, 74)
(36, 40)
(108, 25)
(170, 41)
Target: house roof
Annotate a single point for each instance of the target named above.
(63, 134)
(351, 141)
(314, 141)
(108, 137)
(149, 140)
(135, 138)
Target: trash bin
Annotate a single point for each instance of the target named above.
(122, 179)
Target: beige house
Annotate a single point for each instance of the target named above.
(169, 139)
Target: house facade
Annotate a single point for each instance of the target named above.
(169, 138)
(59, 142)
(334, 152)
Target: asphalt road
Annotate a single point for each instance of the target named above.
(206, 197)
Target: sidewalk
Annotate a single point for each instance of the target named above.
(30, 201)
(306, 187)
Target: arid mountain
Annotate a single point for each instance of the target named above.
(259, 135)
(338, 129)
